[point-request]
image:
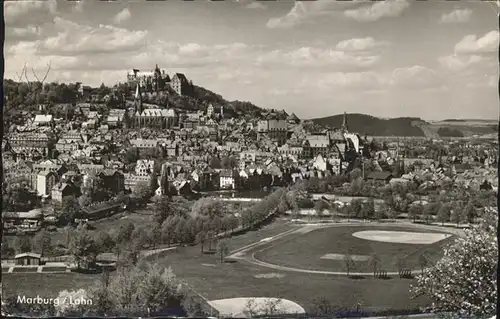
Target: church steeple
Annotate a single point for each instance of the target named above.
(345, 128)
(138, 99)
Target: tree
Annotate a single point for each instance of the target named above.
(84, 200)
(356, 207)
(143, 191)
(42, 242)
(468, 213)
(210, 239)
(427, 212)
(374, 262)
(456, 215)
(7, 251)
(200, 239)
(271, 307)
(69, 210)
(423, 261)
(104, 242)
(320, 206)
(22, 244)
(82, 248)
(368, 209)
(124, 233)
(444, 214)
(223, 249)
(348, 262)
(414, 211)
(323, 308)
(464, 280)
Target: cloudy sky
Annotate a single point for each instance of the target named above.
(432, 59)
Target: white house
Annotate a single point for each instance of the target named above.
(227, 179)
(144, 167)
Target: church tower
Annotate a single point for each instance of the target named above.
(345, 128)
(138, 99)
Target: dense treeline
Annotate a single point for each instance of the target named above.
(449, 132)
(370, 125)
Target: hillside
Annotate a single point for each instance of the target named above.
(370, 125)
(199, 100)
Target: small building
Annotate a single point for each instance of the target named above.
(380, 176)
(28, 259)
(60, 191)
(46, 179)
(228, 179)
(14, 222)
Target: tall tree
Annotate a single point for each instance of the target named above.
(42, 242)
(200, 239)
(444, 214)
(374, 262)
(222, 249)
(464, 280)
(348, 263)
(22, 244)
(82, 248)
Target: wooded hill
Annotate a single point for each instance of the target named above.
(374, 126)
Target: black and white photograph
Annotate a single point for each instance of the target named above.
(250, 159)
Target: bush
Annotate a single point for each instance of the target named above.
(305, 203)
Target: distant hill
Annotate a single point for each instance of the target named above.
(374, 126)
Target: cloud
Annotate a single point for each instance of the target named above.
(307, 11)
(484, 82)
(255, 5)
(26, 12)
(77, 48)
(415, 77)
(359, 80)
(317, 57)
(378, 10)
(456, 16)
(457, 63)
(74, 38)
(472, 45)
(360, 44)
(29, 32)
(122, 16)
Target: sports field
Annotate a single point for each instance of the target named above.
(324, 248)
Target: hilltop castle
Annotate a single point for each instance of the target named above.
(159, 81)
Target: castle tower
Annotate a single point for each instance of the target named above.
(138, 99)
(345, 128)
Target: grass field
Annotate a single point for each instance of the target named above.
(46, 285)
(215, 280)
(46, 269)
(305, 250)
(24, 269)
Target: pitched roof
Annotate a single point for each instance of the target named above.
(181, 77)
(34, 255)
(158, 112)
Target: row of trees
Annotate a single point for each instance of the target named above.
(40, 243)
(174, 222)
(375, 263)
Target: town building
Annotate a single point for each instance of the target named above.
(149, 81)
(45, 181)
(181, 85)
(274, 126)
